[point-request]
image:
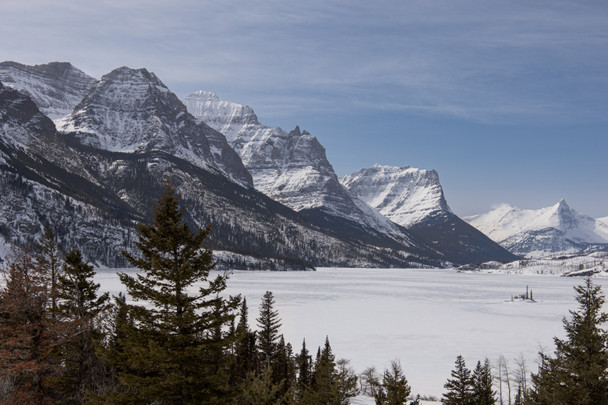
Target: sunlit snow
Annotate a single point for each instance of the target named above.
(425, 318)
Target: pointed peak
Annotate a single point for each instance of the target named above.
(562, 205)
(296, 131)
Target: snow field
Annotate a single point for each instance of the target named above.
(424, 318)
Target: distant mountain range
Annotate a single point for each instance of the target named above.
(552, 231)
(88, 157)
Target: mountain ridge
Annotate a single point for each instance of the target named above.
(548, 231)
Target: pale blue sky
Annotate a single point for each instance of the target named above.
(507, 100)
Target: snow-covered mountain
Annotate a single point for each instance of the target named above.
(405, 195)
(94, 184)
(55, 87)
(414, 199)
(550, 231)
(290, 167)
(132, 111)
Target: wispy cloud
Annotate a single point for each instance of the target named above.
(482, 60)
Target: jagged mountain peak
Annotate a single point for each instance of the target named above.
(557, 229)
(55, 87)
(128, 110)
(132, 111)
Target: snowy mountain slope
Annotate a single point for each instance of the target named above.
(55, 87)
(405, 195)
(292, 168)
(552, 230)
(132, 111)
(94, 197)
(414, 199)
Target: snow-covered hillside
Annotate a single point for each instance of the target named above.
(554, 230)
(595, 264)
(55, 87)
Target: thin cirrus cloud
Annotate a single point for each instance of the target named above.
(485, 61)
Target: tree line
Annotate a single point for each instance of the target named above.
(180, 339)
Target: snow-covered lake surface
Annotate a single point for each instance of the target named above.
(425, 318)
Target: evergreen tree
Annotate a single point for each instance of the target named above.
(483, 393)
(28, 333)
(48, 256)
(80, 306)
(261, 390)
(578, 373)
(246, 359)
(460, 386)
(323, 388)
(283, 368)
(394, 389)
(170, 344)
(304, 369)
(269, 324)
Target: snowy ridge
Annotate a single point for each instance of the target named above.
(405, 195)
(22, 122)
(228, 118)
(595, 264)
(291, 168)
(552, 230)
(132, 111)
(56, 87)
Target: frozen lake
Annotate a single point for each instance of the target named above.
(425, 318)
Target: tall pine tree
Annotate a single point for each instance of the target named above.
(269, 325)
(483, 392)
(80, 306)
(170, 344)
(460, 386)
(578, 373)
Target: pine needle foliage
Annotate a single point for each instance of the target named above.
(174, 348)
(578, 372)
(460, 386)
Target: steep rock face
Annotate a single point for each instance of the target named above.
(37, 189)
(405, 195)
(414, 199)
(292, 168)
(550, 231)
(55, 87)
(92, 198)
(132, 111)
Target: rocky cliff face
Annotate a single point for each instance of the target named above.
(550, 231)
(292, 168)
(55, 87)
(132, 111)
(405, 195)
(92, 182)
(414, 199)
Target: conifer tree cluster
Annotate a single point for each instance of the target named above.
(177, 339)
(470, 388)
(265, 369)
(49, 322)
